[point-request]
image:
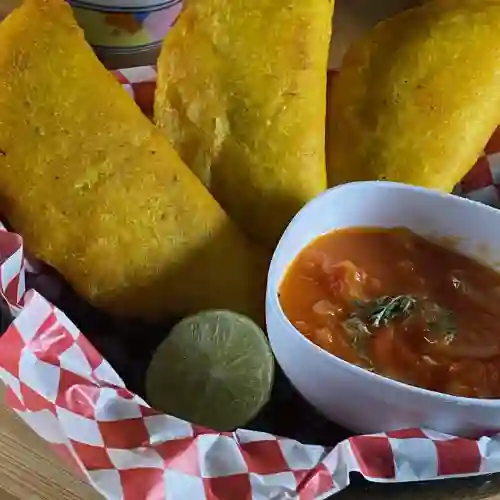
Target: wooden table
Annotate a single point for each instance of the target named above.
(29, 470)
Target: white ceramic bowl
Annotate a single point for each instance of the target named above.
(357, 399)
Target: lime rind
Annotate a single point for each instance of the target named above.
(216, 369)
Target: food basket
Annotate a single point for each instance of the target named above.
(64, 384)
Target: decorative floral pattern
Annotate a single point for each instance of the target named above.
(125, 29)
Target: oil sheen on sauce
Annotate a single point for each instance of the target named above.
(398, 304)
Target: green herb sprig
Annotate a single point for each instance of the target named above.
(380, 312)
(370, 315)
(385, 309)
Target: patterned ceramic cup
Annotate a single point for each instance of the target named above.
(125, 26)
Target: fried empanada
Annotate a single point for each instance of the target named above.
(418, 98)
(241, 96)
(97, 191)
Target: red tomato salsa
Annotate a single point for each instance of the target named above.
(398, 304)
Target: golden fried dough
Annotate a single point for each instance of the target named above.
(96, 190)
(417, 99)
(241, 96)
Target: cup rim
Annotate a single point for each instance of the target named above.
(345, 365)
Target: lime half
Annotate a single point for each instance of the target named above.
(215, 369)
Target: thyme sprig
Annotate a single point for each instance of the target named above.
(380, 312)
(385, 309)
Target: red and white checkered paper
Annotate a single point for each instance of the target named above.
(66, 392)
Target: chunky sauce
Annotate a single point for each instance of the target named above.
(395, 303)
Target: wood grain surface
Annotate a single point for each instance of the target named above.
(29, 470)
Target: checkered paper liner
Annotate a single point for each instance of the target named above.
(68, 394)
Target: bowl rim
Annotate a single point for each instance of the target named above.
(341, 363)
